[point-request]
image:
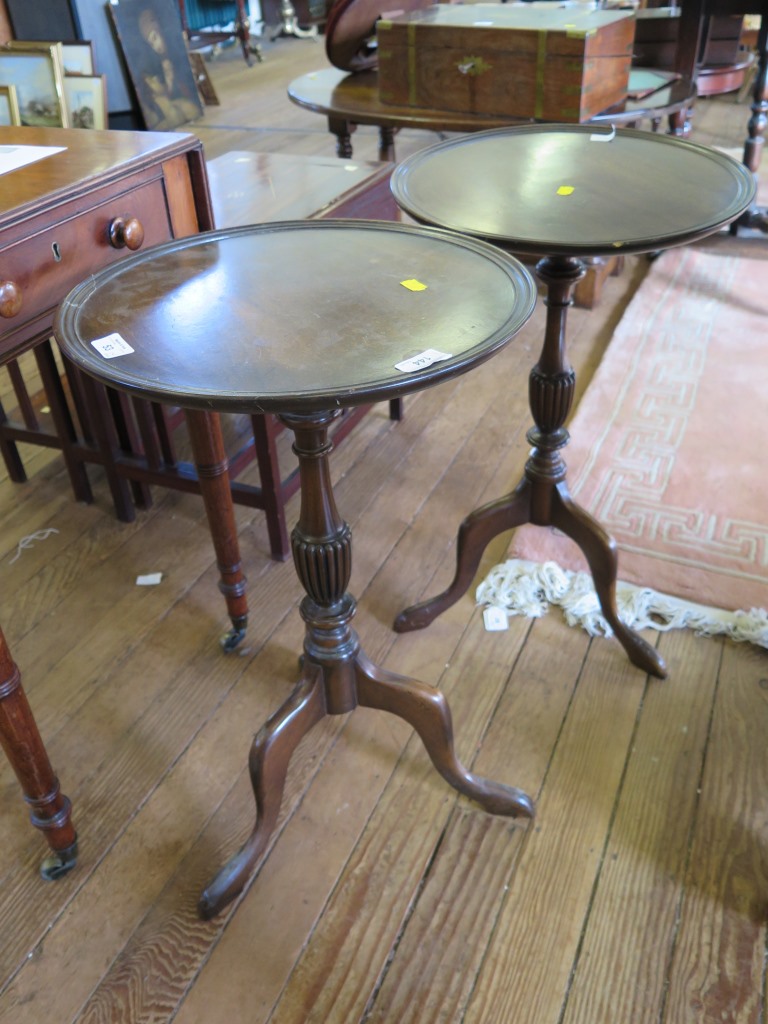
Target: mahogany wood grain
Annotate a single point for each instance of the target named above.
(524, 61)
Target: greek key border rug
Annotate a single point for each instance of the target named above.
(669, 446)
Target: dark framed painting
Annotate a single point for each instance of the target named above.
(152, 41)
(43, 19)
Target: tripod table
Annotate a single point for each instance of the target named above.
(215, 322)
(564, 193)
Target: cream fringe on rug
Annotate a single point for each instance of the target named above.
(528, 588)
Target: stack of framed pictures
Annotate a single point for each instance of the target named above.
(51, 84)
(54, 82)
(36, 72)
(85, 93)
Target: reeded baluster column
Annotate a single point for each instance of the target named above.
(321, 543)
(551, 384)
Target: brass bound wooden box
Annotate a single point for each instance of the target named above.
(565, 64)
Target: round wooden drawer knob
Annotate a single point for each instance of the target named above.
(10, 298)
(126, 234)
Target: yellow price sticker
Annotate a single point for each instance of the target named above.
(413, 285)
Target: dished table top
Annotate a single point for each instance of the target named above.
(574, 190)
(295, 316)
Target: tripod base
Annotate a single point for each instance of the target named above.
(330, 688)
(544, 504)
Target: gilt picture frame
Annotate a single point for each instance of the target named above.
(9, 107)
(78, 57)
(36, 70)
(86, 100)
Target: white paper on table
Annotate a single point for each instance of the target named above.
(13, 157)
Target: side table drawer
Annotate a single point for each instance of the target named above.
(38, 270)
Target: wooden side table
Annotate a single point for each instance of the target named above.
(347, 100)
(578, 192)
(387, 310)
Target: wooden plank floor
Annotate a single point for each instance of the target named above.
(638, 894)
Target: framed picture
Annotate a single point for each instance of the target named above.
(86, 100)
(54, 19)
(150, 35)
(37, 72)
(78, 58)
(9, 106)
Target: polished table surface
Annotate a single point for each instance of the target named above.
(217, 322)
(564, 193)
(351, 99)
(574, 189)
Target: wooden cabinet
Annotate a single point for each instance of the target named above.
(56, 214)
(62, 218)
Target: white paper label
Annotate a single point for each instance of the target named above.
(422, 360)
(111, 346)
(151, 579)
(495, 619)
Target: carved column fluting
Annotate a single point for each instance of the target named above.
(321, 543)
(552, 380)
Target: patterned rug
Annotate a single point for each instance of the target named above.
(669, 446)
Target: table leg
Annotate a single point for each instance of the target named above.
(212, 466)
(680, 123)
(542, 495)
(336, 675)
(342, 129)
(386, 143)
(755, 217)
(51, 810)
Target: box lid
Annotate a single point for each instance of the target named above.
(573, 21)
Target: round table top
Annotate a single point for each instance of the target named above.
(295, 316)
(574, 190)
(355, 98)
